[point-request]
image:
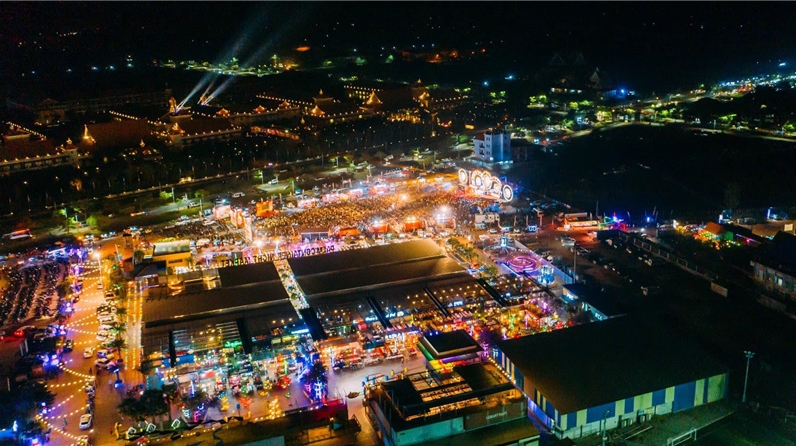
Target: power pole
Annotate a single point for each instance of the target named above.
(749, 355)
(605, 426)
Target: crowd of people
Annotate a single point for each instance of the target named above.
(361, 213)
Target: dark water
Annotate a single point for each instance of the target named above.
(640, 168)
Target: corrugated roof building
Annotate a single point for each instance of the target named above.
(620, 371)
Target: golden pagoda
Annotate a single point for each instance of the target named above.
(373, 99)
(87, 136)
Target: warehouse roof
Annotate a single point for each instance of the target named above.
(352, 280)
(246, 274)
(212, 302)
(361, 258)
(590, 365)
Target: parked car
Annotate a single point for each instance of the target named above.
(104, 363)
(69, 345)
(86, 421)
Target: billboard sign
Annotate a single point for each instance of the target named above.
(495, 416)
(481, 182)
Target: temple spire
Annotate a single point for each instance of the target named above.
(87, 136)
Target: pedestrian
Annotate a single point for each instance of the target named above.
(89, 370)
(65, 423)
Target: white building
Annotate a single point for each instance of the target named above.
(493, 146)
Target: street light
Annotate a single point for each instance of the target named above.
(749, 355)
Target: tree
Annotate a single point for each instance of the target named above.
(171, 394)
(201, 193)
(490, 271)
(20, 405)
(153, 404)
(380, 155)
(92, 221)
(118, 327)
(130, 407)
(121, 311)
(317, 373)
(118, 343)
(468, 252)
(61, 220)
(454, 242)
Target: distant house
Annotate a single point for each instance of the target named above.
(775, 267)
(599, 305)
(493, 146)
(191, 130)
(122, 134)
(328, 111)
(22, 149)
(716, 231)
(245, 115)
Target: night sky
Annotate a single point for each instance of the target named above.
(639, 44)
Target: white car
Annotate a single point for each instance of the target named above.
(86, 422)
(105, 363)
(88, 353)
(274, 181)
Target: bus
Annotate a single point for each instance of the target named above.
(18, 235)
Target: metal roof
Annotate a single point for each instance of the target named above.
(211, 302)
(361, 258)
(246, 274)
(602, 362)
(360, 279)
(453, 343)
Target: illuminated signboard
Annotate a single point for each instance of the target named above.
(271, 256)
(483, 183)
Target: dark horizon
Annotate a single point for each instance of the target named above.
(650, 46)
